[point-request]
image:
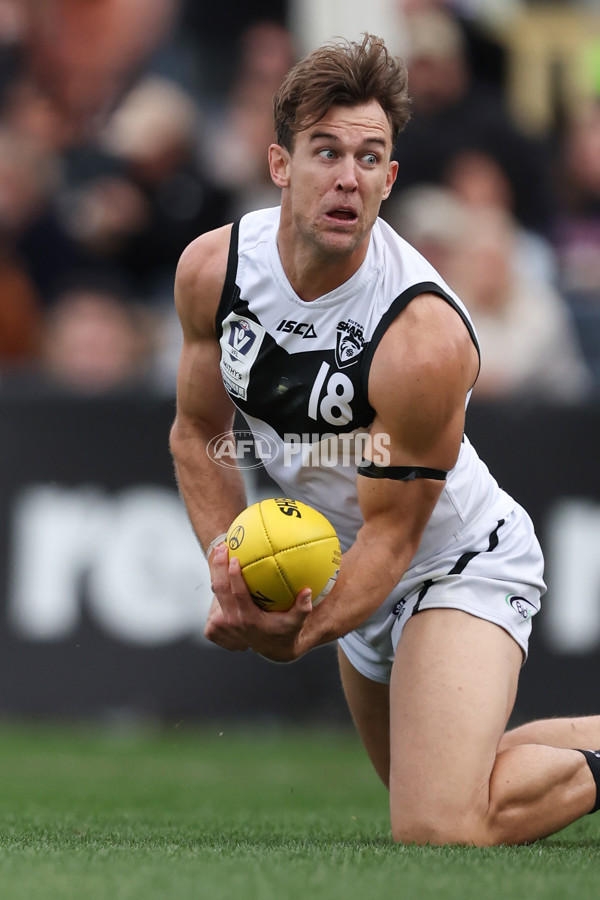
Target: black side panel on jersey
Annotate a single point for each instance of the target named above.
(396, 307)
(283, 383)
(230, 289)
(282, 390)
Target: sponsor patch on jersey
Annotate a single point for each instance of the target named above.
(350, 341)
(240, 343)
(521, 605)
(304, 329)
(399, 608)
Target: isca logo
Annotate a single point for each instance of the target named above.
(241, 449)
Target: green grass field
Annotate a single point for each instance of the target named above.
(224, 813)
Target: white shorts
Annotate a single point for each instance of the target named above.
(499, 579)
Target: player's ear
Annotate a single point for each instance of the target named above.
(279, 159)
(391, 177)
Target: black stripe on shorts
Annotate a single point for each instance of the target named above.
(461, 563)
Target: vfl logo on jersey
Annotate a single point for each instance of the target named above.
(241, 338)
(349, 343)
(240, 343)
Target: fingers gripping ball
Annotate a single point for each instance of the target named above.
(283, 547)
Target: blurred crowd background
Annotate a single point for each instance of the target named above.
(128, 127)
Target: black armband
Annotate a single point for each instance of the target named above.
(400, 473)
(593, 761)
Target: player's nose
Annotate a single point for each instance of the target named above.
(346, 179)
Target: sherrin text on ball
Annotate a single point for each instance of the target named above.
(284, 546)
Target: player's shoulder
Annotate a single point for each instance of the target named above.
(203, 263)
(420, 376)
(429, 337)
(199, 280)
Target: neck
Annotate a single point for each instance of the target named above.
(311, 271)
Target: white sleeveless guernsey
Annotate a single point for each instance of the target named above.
(297, 368)
(298, 371)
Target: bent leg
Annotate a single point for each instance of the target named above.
(369, 704)
(582, 732)
(453, 687)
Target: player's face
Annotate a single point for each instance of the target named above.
(337, 176)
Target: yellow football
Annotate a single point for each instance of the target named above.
(283, 547)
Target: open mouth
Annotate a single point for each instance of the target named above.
(341, 214)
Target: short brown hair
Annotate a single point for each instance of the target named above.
(341, 73)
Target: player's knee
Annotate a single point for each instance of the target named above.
(440, 830)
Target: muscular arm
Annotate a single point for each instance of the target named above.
(213, 494)
(420, 375)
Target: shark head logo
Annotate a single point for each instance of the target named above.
(349, 343)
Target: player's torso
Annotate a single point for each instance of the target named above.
(303, 366)
(296, 365)
(299, 370)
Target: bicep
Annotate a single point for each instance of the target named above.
(395, 514)
(419, 380)
(420, 376)
(201, 396)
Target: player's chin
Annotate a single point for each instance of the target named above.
(342, 240)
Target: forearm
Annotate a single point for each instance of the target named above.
(395, 516)
(213, 494)
(369, 572)
(236, 623)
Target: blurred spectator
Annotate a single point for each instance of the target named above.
(30, 113)
(577, 231)
(429, 217)
(95, 342)
(528, 341)
(216, 31)
(453, 112)
(13, 29)
(31, 229)
(236, 149)
(530, 349)
(577, 234)
(103, 215)
(29, 179)
(26, 180)
(107, 169)
(480, 23)
(20, 316)
(138, 219)
(266, 53)
(479, 181)
(85, 54)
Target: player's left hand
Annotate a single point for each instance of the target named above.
(235, 622)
